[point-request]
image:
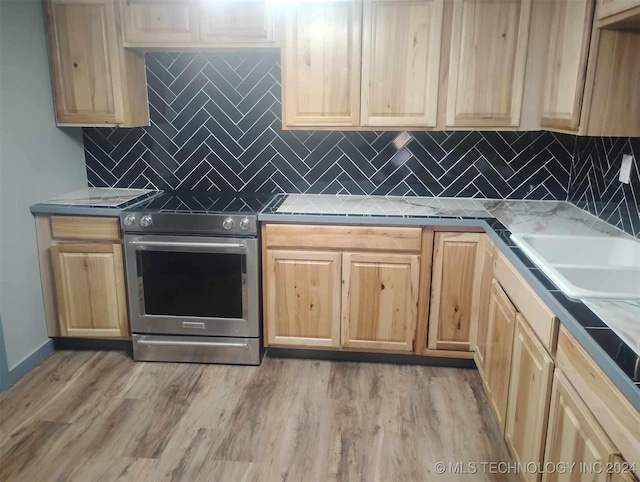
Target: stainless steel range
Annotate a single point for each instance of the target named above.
(192, 265)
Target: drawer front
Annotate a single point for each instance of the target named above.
(353, 238)
(541, 319)
(619, 419)
(197, 349)
(85, 227)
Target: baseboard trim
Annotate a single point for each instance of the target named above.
(26, 365)
(93, 344)
(397, 358)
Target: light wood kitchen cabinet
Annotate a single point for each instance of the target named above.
(342, 287)
(379, 300)
(82, 275)
(487, 62)
(90, 290)
(302, 298)
(502, 319)
(615, 413)
(160, 21)
(529, 395)
(401, 43)
(573, 434)
(488, 254)
(192, 24)
(455, 291)
(236, 22)
(566, 69)
(95, 81)
(321, 63)
(580, 94)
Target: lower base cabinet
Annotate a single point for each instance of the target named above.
(82, 275)
(497, 362)
(342, 287)
(379, 300)
(90, 289)
(574, 435)
(302, 298)
(529, 392)
(455, 291)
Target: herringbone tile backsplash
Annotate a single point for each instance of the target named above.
(216, 125)
(594, 181)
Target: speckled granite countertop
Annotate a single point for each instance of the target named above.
(608, 330)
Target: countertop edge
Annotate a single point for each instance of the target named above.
(63, 209)
(603, 360)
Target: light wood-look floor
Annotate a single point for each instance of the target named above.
(98, 416)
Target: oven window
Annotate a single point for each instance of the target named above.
(192, 284)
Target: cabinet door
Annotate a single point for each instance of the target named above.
(455, 291)
(84, 61)
(162, 22)
(489, 41)
(401, 62)
(488, 251)
(230, 22)
(529, 396)
(379, 300)
(502, 317)
(90, 290)
(574, 435)
(302, 298)
(566, 63)
(321, 63)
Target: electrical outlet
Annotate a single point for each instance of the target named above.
(625, 168)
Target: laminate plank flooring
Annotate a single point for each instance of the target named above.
(98, 416)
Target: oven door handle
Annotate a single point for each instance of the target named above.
(219, 344)
(187, 244)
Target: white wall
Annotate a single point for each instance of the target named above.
(37, 161)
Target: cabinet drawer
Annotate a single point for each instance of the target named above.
(619, 419)
(84, 227)
(360, 238)
(541, 319)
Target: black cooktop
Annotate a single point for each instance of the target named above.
(204, 202)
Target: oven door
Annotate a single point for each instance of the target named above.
(187, 285)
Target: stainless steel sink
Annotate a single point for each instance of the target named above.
(586, 267)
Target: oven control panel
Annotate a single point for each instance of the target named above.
(189, 223)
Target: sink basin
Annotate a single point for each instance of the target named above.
(586, 267)
(617, 283)
(582, 250)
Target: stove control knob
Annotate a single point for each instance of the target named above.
(145, 221)
(244, 224)
(227, 223)
(129, 220)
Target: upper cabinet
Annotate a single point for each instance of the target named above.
(236, 21)
(401, 43)
(566, 63)
(198, 23)
(592, 79)
(391, 81)
(95, 81)
(489, 41)
(160, 21)
(321, 64)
